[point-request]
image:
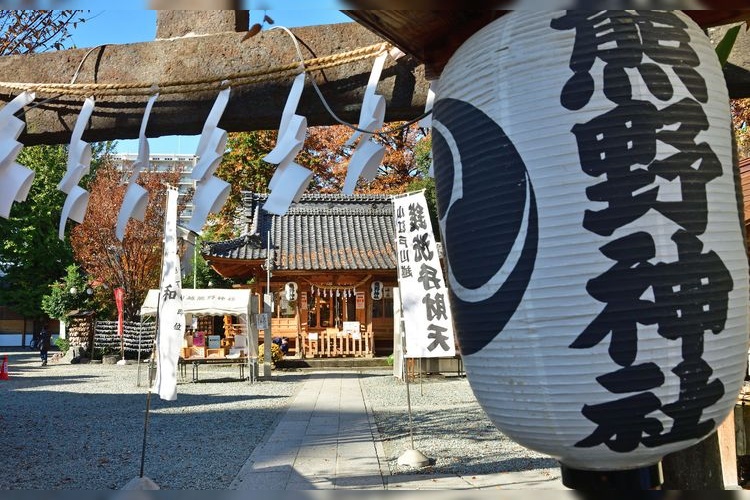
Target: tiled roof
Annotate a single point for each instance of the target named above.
(321, 232)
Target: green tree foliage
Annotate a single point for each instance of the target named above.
(67, 295)
(200, 274)
(243, 168)
(31, 255)
(423, 158)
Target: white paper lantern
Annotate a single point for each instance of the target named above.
(290, 290)
(599, 280)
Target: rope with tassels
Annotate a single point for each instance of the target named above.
(202, 84)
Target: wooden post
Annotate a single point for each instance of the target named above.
(695, 468)
(298, 338)
(267, 336)
(728, 451)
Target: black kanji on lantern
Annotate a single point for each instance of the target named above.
(625, 148)
(624, 41)
(621, 145)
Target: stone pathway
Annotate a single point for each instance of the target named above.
(327, 440)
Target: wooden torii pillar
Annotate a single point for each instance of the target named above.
(193, 45)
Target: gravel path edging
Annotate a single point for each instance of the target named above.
(449, 427)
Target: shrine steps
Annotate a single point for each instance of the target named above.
(351, 363)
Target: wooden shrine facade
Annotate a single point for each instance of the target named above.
(332, 271)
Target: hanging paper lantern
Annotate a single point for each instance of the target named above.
(290, 290)
(376, 290)
(598, 275)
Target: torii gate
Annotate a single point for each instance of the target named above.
(209, 45)
(222, 46)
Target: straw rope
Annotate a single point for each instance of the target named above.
(339, 287)
(198, 85)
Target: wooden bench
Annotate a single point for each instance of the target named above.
(195, 362)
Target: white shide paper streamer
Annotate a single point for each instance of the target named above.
(15, 179)
(290, 180)
(79, 164)
(210, 192)
(136, 197)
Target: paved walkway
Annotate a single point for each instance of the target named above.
(328, 440)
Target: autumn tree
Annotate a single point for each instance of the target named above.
(325, 153)
(401, 163)
(24, 31)
(135, 263)
(741, 121)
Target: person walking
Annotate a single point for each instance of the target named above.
(44, 344)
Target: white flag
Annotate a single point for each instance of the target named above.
(424, 293)
(171, 315)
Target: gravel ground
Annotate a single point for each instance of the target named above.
(80, 426)
(449, 427)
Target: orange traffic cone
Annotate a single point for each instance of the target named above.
(4, 369)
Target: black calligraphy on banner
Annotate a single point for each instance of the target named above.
(424, 293)
(169, 293)
(422, 251)
(438, 337)
(416, 217)
(686, 298)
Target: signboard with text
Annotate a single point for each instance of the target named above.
(261, 321)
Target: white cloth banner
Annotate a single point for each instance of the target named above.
(424, 294)
(171, 314)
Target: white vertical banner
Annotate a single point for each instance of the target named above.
(171, 315)
(424, 294)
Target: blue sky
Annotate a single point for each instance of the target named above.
(139, 25)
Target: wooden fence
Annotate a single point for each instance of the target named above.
(332, 343)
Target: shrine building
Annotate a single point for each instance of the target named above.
(332, 271)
